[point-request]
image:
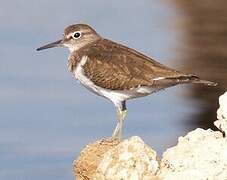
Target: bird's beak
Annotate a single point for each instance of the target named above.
(58, 43)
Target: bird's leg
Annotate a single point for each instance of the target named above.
(121, 114)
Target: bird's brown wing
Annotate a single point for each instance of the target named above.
(116, 67)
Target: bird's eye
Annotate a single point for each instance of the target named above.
(76, 35)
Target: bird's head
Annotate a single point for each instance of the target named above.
(75, 37)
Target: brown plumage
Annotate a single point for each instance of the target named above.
(114, 71)
(113, 66)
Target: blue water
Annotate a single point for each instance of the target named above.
(46, 118)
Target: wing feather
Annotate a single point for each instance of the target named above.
(116, 67)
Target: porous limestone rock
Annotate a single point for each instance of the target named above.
(221, 123)
(130, 159)
(86, 164)
(200, 155)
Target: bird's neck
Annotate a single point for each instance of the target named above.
(73, 60)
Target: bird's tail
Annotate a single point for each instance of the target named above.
(190, 78)
(196, 80)
(205, 82)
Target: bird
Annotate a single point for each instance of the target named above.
(115, 71)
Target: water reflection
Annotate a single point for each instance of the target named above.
(204, 52)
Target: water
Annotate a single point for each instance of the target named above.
(46, 118)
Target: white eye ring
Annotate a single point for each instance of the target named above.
(76, 35)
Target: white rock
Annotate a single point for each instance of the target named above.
(200, 155)
(221, 123)
(222, 111)
(132, 159)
